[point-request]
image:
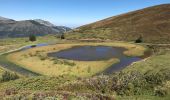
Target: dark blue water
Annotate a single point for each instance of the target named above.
(97, 53)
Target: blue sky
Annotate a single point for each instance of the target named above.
(71, 13)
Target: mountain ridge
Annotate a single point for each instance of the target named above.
(23, 28)
(3, 18)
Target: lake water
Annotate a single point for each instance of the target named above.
(97, 53)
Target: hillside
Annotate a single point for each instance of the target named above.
(12, 28)
(151, 23)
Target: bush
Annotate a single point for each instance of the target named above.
(32, 37)
(160, 91)
(139, 40)
(62, 36)
(155, 79)
(7, 76)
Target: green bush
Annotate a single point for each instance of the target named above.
(62, 36)
(160, 91)
(7, 76)
(32, 37)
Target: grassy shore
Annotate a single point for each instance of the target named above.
(153, 64)
(36, 59)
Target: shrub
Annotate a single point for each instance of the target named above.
(7, 76)
(32, 37)
(62, 36)
(155, 79)
(160, 91)
(139, 40)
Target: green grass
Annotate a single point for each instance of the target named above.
(142, 97)
(38, 83)
(157, 64)
(154, 64)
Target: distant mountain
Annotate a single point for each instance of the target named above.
(2, 18)
(59, 28)
(12, 28)
(152, 24)
(46, 23)
(5, 20)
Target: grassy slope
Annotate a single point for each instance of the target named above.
(156, 64)
(139, 81)
(151, 23)
(153, 64)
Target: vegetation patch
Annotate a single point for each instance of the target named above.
(7, 75)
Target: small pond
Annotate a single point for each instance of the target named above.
(97, 53)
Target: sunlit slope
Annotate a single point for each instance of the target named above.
(152, 23)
